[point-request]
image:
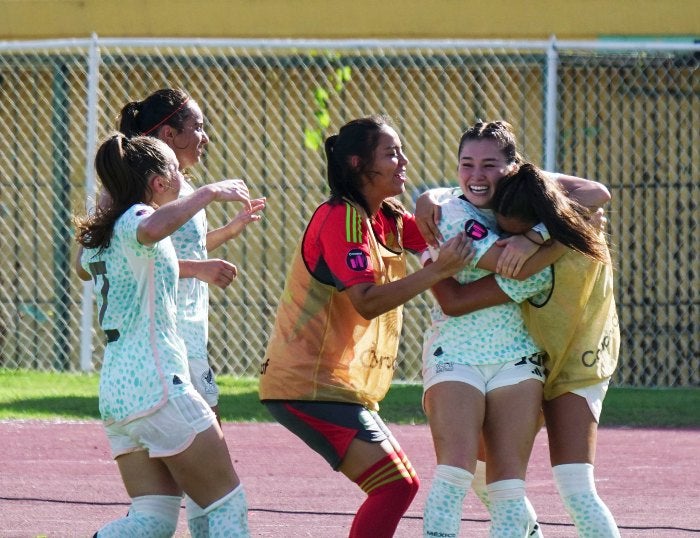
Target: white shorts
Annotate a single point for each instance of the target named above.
(486, 377)
(167, 431)
(594, 396)
(203, 380)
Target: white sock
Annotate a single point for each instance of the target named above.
(510, 517)
(481, 489)
(228, 517)
(154, 516)
(442, 514)
(589, 513)
(197, 520)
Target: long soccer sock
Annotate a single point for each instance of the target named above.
(407, 465)
(510, 516)
(228, 517)
(390, 488)
(154, 516)
(442, 515)
(481, 490)
(197, 520)
(589, 513)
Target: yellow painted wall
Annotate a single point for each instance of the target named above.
(410, 19)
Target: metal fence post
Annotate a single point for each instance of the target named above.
(90, 145)
(551, 106)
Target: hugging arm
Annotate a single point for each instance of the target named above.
(456, 299)
(586, 192)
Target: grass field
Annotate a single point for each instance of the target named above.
(61, 396)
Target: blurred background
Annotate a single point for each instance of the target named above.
(608, 90)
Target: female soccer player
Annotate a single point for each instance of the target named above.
(575, 322)
(333, 350)
(159, 428)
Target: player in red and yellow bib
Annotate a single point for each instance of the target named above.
(333, 349)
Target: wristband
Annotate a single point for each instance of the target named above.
(542, 230)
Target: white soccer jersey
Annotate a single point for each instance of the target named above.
(144, 360)
(489, 336)
(190, 242)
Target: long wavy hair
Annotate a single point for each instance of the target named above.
(531, 196)
(360, 138)
(125, 167)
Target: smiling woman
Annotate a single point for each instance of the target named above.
(331, 356)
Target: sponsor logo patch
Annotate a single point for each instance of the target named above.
(356, 260)
(475, 229)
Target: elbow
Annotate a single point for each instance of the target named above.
(602, 195)
(451, 310)
(368, 313)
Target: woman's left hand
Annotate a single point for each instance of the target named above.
(245, 216)
(517, 249)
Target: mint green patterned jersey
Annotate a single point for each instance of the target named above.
(190, 242)
(135, 285)
(491, 335)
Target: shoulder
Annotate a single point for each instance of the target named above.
(132, 216)
(338, 218)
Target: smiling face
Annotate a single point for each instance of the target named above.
(482, 163)
(189, 141)
(387, 173)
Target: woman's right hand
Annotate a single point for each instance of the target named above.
(454, 255)
(216, 272)
(231, 190)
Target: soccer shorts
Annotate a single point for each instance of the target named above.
(167, 431)
(486, 377)
(594, 396)
(329, 427)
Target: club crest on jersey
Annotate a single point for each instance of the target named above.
(356, 260)
(475, 229)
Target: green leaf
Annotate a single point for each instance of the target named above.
(323, 118)
(312, 138)
(321, 96)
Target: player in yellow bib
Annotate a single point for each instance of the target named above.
(333, 349)
(575, 323)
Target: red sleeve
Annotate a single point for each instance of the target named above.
(412, 238)
(336, 248)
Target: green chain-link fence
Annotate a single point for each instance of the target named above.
(624, 114)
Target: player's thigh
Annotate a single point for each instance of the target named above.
(143, 475)
(361, 455)
(204, 470)
(510, 426)
(455, 412)
(571, 429)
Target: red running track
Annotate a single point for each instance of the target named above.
(58, 480)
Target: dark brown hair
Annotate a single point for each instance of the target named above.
(531, 196)
(124, 166)
(499, 131)
(163, 107)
